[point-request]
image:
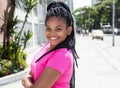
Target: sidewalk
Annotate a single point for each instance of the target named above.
(99, 65)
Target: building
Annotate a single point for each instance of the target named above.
(2, 8)
(3, 4)
(35, 22)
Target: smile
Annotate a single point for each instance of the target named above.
(53, 38)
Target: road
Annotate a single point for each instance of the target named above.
(99, 64)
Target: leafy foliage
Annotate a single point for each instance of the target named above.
(85, 17)
(12, 55)
(13, 65)
(99, 13)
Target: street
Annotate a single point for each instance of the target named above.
(98, 66)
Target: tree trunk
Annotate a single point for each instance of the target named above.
(8, 18)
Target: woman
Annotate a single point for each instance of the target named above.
(53, 65)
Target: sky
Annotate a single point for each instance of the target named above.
(81, 3)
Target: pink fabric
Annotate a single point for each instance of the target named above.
(60, 60)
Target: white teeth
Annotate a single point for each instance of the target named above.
(53, 38)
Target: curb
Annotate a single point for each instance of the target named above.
(12, 77)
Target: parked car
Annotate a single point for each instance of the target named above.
(106, 27)
(97, 34)
(107, 30)
(117, 31)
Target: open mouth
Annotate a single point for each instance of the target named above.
(53, 38)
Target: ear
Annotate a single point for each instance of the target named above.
(69, 30)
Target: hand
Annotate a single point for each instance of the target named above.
(27, 81)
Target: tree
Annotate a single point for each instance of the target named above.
(117, 14)
(8, 25)
(99, 13)
(12, 55)
(85, 17)
(104, 10)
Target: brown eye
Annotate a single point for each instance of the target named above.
(48, 29)
(58, 29)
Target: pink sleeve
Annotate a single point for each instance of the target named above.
(60, 61)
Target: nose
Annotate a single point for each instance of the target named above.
(52, 32)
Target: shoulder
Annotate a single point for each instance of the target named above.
(62, 55)
(63, 52)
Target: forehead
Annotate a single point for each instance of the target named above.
(56, 20)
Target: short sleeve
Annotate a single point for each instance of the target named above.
(60, 60)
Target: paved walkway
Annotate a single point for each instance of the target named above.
(99, 65)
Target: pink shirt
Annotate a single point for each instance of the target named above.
(60, 60)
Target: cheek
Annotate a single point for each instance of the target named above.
(46, 34)
(64, 34)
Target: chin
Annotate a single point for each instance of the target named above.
(53, 45)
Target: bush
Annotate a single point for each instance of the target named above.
(15, 63)
(5, 67)
(12, 55)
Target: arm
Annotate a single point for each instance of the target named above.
(47, 79)
(49, 74)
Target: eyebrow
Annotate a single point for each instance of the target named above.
(47, 25)
(56, 26)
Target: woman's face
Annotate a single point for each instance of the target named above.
(56, 30)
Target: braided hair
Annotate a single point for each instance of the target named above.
(61, 10)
